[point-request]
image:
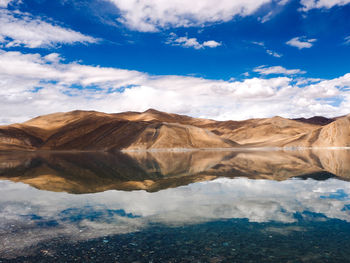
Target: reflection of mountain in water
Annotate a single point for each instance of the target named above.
(153, 171)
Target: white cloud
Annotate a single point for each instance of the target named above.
(266, 18)
(32, 85)
(4, 3)
(53, 57)
(190, 42)
(277, 70)
(347, 40)
(211, 43)
(262, 44)
(283, 2)
(301, 42)
(273, 53)
(268, 51)
(22, 29)
(312, 4)
(152, 15)
(307, 81)
(331, 88)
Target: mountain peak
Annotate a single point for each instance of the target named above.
(151, 110)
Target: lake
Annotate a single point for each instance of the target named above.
(195, 206)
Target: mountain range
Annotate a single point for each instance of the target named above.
(156, 130)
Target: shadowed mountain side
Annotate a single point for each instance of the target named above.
(154, 171)
(318, 120)
(13, 138)
(80, 130)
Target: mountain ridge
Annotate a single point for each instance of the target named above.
(155, 130)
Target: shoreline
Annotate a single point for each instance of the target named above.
(233, 149)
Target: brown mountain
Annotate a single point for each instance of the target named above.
(155, 130)
(267, 132)
(335, 134)
(89, 130)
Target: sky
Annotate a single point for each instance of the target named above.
(218, 59)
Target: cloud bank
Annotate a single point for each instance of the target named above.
(32, 85)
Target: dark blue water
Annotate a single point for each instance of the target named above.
(219, 207)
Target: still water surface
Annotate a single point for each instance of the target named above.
(249, 206)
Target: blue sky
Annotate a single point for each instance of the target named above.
(219, 59)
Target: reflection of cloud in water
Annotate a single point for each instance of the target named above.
(28, 216)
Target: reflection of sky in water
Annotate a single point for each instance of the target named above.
(33, 215)
(339, 194)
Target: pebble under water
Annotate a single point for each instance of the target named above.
(308, 240)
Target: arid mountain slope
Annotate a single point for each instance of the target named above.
(273, 132)
(276, 131)
(174, 135)
(96, 131)
(81, 130)
(16, 138)
(158, 116)
(335, 134)
(281, 132)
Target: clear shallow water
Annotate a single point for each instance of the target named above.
(175, 207)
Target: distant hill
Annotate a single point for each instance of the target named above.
(155, 130)
(318, 120)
